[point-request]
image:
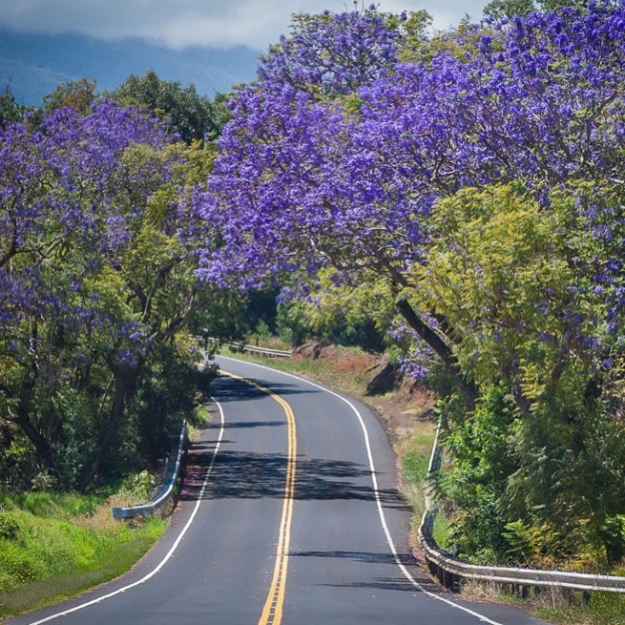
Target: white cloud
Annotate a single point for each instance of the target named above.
(255, 23)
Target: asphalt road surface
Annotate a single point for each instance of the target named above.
(290, 514)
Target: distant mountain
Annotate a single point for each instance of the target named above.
(33, 65)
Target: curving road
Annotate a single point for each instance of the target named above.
(289, 515)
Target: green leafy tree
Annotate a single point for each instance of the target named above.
(97, 272)
(499, 9)
(553, 5)
(150, 281)
(345, 314)
(10, 109)
(528, 289)
(483, 462)
(191, 115)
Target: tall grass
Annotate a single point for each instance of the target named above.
(602, 609)
(413, 448)
(53, 546)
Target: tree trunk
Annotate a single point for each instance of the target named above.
(468, 391)
(44, 450)
(125, 381)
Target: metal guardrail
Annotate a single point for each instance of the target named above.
(244, 347)
(165, 492)
(265, 351)
(450, 571)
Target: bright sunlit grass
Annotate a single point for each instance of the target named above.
(53, 546)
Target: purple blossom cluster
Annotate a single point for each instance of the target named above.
(327, 164)
(332, 54)
(68, 207)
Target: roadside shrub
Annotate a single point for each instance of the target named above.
(9, 527)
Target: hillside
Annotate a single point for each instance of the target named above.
(33, 65)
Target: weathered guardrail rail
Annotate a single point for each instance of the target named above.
(266, 351)
(165, 492)
(450, 571)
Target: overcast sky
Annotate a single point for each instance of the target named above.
(215, 23)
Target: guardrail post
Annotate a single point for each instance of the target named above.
(456, 583)
(440, 575)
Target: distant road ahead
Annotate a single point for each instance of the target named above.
(292, 516)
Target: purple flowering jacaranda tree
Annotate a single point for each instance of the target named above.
(317, 169)
(96, 268)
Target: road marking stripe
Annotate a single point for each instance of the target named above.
(272, 611)
(378, 500)
(170, 553)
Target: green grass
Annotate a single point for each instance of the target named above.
(603, 609)
(415, 467)
(52, 505)
(201, 416)
(441, 532)
(56, 545)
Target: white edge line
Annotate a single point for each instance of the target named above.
(378, 500)
(170, 553)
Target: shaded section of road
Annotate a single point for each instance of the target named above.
(256, 475)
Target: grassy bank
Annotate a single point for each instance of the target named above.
(53, 546)
(603, 609)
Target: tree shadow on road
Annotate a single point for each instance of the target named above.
(254, 475)
(228, 390)
(395, 582)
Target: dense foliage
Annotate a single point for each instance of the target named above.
(97, 282)
(478, 178)
(189, 115)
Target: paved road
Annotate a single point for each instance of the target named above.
(290, 516)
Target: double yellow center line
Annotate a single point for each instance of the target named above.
(274, 605)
